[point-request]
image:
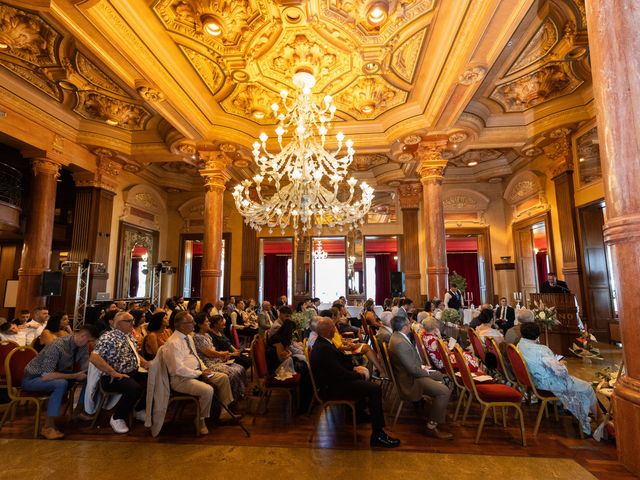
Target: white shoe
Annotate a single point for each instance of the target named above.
(140, 416)
(119, 426)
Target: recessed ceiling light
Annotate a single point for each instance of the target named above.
(3, 46)
(581, 159)
(258, 114)
(378, 13)
(211, 25)
(112, 121)
(473, 163)
(368, 108)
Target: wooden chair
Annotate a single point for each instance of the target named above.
(394, 381)
(14, 366)
(521, 371)
(450, 372)
(503, 369)
(326, 404)
(421, 351)
(476, 344)
(489, 395)
(6, 346)
(267, 381)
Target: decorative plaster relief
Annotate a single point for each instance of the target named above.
(539, 46)
(125, 115)
(208, 70)
(405, 59)
(369, 97)
(28, 37)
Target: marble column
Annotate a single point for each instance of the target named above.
(36, 251)
(410, 196)
(431, 171)
(250, 254)
(614, 40)
(215, 177)
(562, 174)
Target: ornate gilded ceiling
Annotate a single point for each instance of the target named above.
(148, 79)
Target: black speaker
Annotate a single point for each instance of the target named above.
(397, 284)
(51, 284)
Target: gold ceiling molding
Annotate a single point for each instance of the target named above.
(28, 37)
(96, 76)
(549, 82)
(472, 75)
(405, 59)
(538, 47)
(208, 70)
(366, 161)
(251, 101)
(36, 78)
(125, 115)
(369, 97)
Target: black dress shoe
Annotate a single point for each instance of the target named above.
(383, 440)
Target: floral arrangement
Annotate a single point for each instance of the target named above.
(585, 345)
(303, 319)
(450, 315)
(608, 377)
(546, 316)
(457, 280)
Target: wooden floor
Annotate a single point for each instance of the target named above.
(556, 440)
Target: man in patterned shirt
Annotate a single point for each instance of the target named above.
(61, 362)
(123, 370)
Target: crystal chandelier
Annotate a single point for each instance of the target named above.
(319, 253)
(308, 180)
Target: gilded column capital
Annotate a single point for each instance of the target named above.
(45, 166)
(410, 195)
(559, 152)
(214, 172)
(431, 164)
(105, 175)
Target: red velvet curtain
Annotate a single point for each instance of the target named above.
(541, 266)
(383, 277)
(465, 264)
(275, 276)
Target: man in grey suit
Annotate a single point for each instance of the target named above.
(415, 381)
(384, 334)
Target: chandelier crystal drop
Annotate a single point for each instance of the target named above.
(309, 181)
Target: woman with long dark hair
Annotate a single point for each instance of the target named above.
(155, 337)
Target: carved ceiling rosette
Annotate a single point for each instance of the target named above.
(369, 97)
(548, 82)
(252, 101)
(125, 115)
(410, 195)
(559, 152)
(28, 37)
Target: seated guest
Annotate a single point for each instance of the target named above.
(284, 314)
(208, 310)
(341, 313)
(513, 334)
(485, 329)
(60, 362)
(156, 334)
(139, 325)
(23, 317)
(57, 326)
(242, 322)
(337, 379)
(386, 305)
(430, 335)
(215, 360)
(414, 381)
(548, 373)
(313, 336)
(116, 356)
(35, 327)
(265, 320)
(406, 308)
(187, 372)
(191, 306)
(369, 315)
(505, 315)
(222, 344)
(12, 333)
(384, 334)
(281, 346)
(218, 309)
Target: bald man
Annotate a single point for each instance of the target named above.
(337, 379)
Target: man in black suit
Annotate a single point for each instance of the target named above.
(337, 378)
(553, 285)
(505, 315)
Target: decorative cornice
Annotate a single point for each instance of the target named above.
(45, 166)
(214, 173)
(559, 152)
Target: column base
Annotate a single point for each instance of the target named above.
(627, 414)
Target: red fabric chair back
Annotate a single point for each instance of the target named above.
(234, 337)
(15, 364)
(6, 346)
(463, 368)
(492, 347)
(421, 350)
(259, 356)
(519, 366)
(476, 343)
(448, 368)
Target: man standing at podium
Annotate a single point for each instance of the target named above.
(553, 285)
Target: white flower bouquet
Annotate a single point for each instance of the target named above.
(546, 316)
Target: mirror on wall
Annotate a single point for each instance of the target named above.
(534, 252)
(137, 258)
(587, 153)
(355, 264)
(329, 263)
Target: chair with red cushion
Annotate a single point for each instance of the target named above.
(488, 395)
(14, 366)
(521, 371)
(492, 347)
(476, 344)
(450, 372)
(235, 338)
(325, 404)
(421, 351)
(268, 381)
(6, 346)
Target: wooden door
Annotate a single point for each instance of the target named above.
(599, 311)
